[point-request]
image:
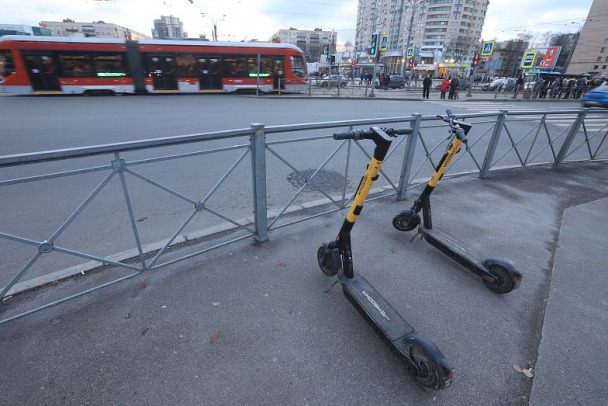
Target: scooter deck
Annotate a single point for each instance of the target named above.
(374, 307)
(453, 249)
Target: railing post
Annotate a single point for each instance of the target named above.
(408, 157)
(258, 170)
(487, 162)
(568, 141)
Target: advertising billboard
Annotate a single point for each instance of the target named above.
(544, 58)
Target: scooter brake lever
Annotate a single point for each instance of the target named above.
(390, 132)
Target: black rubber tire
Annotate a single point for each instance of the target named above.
(329, 260)
(504, 279)
(404, 222)
(428, 372)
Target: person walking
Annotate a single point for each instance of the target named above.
(426, 86)
(454, 88)
(519, 85)
(387, 80)
(445, 84)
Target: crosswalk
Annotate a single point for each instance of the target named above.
(594, 121)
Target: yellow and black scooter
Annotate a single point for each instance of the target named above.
(498, 275)
(427, 364)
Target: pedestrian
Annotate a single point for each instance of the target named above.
(538, 86)
(519, 85)
(387, 80)
(426, 86)
(445, 85)
(380, 81)
(454, 88)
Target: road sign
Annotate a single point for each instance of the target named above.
(527, 61)
(384, 42)
(487, 48)
(410, 52)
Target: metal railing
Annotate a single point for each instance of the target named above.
(287, 187)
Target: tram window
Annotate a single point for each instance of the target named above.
(235, 67)
(297, 66)
(76, 65)
(186, 66)
(109, 65)
(7, 65)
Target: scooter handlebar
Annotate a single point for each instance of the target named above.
(367, 134)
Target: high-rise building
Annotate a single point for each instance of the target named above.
(312, 42)
(100, 29)
(168, 27)
(443, 33)
(591, 52)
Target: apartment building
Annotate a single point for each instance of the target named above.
(443, 33)
(168, 27)
(70, 28)
(591, 52)
(312, 42)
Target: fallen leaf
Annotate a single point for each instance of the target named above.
(142, 219)
(142, 284)
(528, 372)
(281, 264)
(214, 336)
(392, 251)
(55, 282)
(517, 369)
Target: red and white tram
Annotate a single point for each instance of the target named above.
(42, 65)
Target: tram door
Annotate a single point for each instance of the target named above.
(210, 73)
(42, 72)
(163, 71)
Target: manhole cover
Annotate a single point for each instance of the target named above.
(327, 180)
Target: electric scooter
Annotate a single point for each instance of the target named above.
(498, 275)
(427, 364)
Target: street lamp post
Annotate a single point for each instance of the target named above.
(214, 21)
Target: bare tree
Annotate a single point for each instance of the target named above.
(459, 48)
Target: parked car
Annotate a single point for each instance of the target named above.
(499, 84)
(596, 97)
(397, 82)
(334, 81)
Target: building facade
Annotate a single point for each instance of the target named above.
(169, 27)
(591, 52)
(312, 42)
(100, 29)
(443, 33)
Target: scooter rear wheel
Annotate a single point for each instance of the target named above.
(427, 372)
(504, 279)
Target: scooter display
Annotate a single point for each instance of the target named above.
(427, 364)
(498, 275)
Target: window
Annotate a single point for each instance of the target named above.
(297, 66)
(186, 66)
(76, 65)
(7, 65)
(596, 66)
(599, 59)
(604, 66)
(235, 67)
(109, 65)
(603, 50)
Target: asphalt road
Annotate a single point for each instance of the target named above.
(35, 210)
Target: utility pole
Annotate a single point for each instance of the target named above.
(409, 38)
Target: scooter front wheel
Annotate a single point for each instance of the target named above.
(504, 279)
(426, 372)
(407, 220)
(329, 260)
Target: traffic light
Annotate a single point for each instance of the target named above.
(410, 63)
(476, 60)
(326, 51)
(373, 48)
(353, 64)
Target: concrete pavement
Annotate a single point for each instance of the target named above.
(253, 324)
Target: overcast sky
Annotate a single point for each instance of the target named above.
(259, 19)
